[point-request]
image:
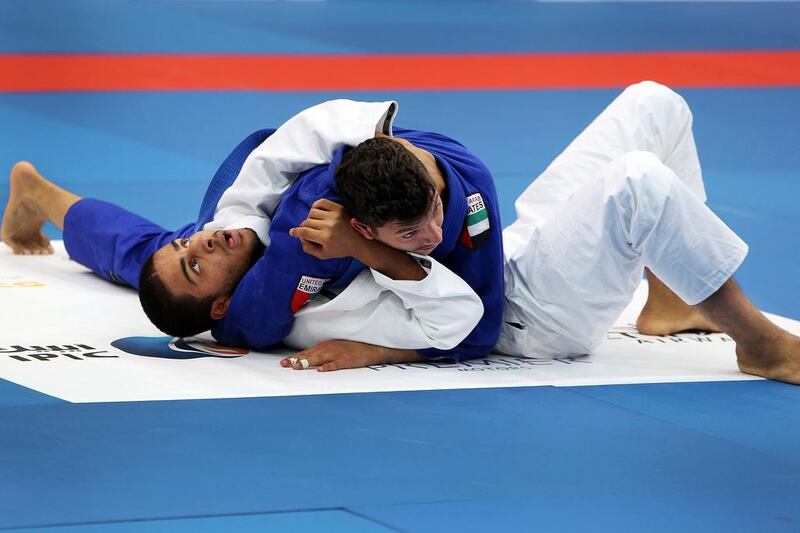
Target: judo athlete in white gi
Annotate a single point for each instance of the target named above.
(625, 195)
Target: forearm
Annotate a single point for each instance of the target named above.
(392, 263)
(338, 354)
(113, 242)
(398, 356)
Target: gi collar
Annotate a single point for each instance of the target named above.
(455, 210)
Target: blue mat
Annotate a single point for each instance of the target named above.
(348, 26)
(116, 462)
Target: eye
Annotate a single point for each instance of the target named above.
(184, 242)
(195, 265)
(409, 235)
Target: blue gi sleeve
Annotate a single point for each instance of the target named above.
(113, 242)
(262, 308)
(226, 174)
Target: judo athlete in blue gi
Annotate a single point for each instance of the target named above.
(626, 195)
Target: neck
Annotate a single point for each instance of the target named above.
(429, 162)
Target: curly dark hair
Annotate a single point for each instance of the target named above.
(381, 181)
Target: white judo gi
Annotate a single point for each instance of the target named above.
(626, 193)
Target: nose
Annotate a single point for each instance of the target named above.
(205, 245)
(432, 235)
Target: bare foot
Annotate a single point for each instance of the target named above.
(24, 217)
(774, 358)
(655, 320)
(665, 313)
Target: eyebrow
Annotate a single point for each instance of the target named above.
(186, 272)
(407, 228)
(183, 262)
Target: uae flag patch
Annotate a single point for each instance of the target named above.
(307, 288)
(476, 226)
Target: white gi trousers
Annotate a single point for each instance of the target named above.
(626, 193)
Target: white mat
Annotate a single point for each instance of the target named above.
(57, 323)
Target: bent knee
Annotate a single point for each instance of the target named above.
(638, 172)
(640, 166)
(652, 93)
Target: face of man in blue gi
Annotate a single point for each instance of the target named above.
(208, 263)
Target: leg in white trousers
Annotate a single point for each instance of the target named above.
(626, 194)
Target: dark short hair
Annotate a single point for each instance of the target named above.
(178, 316)
(381, 181)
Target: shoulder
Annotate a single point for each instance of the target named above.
(430, 140)
(312, 185)
(465, 164)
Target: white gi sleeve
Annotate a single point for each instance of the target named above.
(436, 312)
(308, 139)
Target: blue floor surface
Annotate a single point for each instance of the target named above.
(333, 521)
(347, 26)
(404, 458)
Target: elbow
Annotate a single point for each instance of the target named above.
(447, 335)
(473, 312)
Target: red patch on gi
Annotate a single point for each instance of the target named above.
(308, 287)
(465, 239)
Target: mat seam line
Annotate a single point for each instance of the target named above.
(173, 518)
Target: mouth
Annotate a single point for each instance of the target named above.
(426, 250)
(232, 239)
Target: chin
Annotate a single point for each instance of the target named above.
(254, 249)
(424, 251)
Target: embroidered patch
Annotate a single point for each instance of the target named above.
(476, 225)
(307, 288)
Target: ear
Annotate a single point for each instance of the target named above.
(220, 307)
(362, 228)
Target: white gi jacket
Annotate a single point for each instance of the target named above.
(436, 312)
(306, 140)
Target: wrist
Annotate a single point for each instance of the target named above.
(393, 263)
(372, 253)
